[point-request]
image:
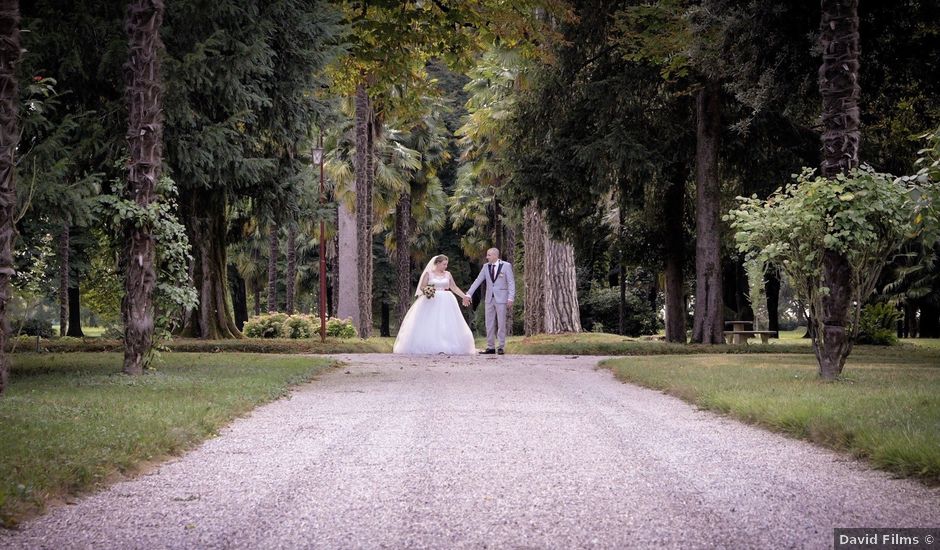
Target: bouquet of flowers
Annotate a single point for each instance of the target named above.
(429, 291)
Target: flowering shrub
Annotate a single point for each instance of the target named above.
(268, 325)
(340, 328)
(281, 325)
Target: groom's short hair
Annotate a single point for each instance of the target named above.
(494, 249)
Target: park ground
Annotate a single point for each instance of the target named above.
(71, 424)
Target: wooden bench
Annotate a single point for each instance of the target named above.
(742, 336)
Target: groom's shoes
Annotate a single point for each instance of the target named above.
(488, 351)
(500, 351)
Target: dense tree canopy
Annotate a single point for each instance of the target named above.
(606, 136)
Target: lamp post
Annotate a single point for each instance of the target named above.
(318, 159)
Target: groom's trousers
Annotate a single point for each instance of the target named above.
(495, 324)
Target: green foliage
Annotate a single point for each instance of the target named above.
(32, 327)
(265, 326)
(602, 306)
(297, 327)
(102, 288)
(340, 328)
(281, 325)
(658, 33)
(866, 216)
(878, 324)
(917, 273)
(485, 140)
(174, 290)
(928, 158)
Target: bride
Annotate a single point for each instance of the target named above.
(436, 324)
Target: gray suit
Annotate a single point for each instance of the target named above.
(498, 292)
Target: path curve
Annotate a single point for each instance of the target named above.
(472, 452)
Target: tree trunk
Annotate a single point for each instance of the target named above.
(772, 289)
(144, 138)
(736, 296)
(742, 291)
(403, 232)
(910, 319)
(674, 241)
(291, 267)
(622, 305)
(75, 312)
(510, 254)
(621, 268)
(929, 326)
(64, 280)
(561, 289)
(239, 296)
(709, 308)
(385, 329)
(533, 246)
(255, 284)
(497, 226)
(838, 84)
(9, 138)
(364, 133)
(206, 223)
(273, 252)
(652, 295)
(343, 262)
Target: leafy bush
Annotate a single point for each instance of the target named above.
(269, 325)
(863, 216)
(602, 307)
(340, 328)
(297, 326)
(32, 327)
(281, 325)
(878, 325)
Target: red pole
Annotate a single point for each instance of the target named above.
(322, 249)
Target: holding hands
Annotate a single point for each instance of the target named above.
(466, 301)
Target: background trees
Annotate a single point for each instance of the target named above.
(9, 139)
(595, 143)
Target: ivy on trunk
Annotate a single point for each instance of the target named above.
(144, 138)
(838, 84)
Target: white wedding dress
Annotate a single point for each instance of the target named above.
(435, 325)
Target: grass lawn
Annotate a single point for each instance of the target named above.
(593, 343)
(250, 345)
(89, 332)
(69, 422)
(886, 409)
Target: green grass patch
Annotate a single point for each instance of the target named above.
(248, 345)
(886, 409)
(71, 422)
(590, 343)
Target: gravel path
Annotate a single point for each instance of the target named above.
(512, 451)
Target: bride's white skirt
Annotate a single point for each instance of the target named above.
(435, 325)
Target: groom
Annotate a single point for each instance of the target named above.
(500, 293)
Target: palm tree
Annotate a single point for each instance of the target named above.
(551, 301)
(838, 84)
(247, 257)
(144, 136)
(407, 197)
(420, 213)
